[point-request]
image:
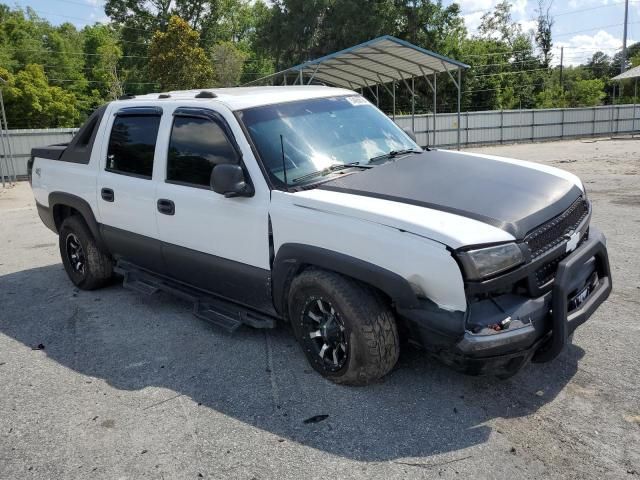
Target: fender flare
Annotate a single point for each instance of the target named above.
(292, 256)
(83, 207)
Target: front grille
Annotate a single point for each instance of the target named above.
(547, 272)
(553, 232)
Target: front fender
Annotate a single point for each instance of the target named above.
(292, 256)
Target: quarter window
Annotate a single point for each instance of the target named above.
(195, 147)
(132, 145)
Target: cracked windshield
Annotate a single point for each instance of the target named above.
(302, 141)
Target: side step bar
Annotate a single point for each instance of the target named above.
(223, 313)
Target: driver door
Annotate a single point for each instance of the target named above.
(209, 241)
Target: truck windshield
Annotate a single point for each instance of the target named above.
(321, 136)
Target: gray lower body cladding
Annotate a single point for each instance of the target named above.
(538, 327)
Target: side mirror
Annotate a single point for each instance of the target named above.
(228, 180)
(411, 134)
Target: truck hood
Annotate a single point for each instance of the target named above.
(508, 195)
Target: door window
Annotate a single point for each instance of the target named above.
(196, 146)
(132, 145)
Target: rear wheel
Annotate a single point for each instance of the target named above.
(346, 330)
(87, 266)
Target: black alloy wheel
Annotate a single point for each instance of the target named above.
(324, 333)
(75, 253)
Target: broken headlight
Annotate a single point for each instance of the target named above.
(489, 261)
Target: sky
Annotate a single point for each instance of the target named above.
(582, 27)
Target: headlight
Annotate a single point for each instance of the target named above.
(485, 262)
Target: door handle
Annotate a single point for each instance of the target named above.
(166, 207)
(107, 195)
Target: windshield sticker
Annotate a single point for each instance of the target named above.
(357, 100)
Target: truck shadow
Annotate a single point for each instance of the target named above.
(261, 377)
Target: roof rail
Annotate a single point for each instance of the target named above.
(206, 94)
(164, 95)
(126, 96)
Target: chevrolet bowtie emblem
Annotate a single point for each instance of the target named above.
(574, 238)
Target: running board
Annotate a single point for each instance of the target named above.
(223, 313)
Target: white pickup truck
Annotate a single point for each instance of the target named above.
(309, 205)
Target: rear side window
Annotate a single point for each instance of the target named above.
(132, 145)
(86, 133)
(196, 146)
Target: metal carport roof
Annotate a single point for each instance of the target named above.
(631, 73)
(380, 61)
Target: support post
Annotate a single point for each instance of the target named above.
(4, 139)
(4, 155)
(413, 105)
(613, 105)
(377, 96)
(313, 74)
(393, 87)
(635, 101)
(435, 105)
(374, 94)
(533, 125)
(459, 98)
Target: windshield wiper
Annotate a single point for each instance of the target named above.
(394, 154)
(330, 169)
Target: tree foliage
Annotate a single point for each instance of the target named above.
(176, 60)
(228, 61)
(543, 31)
(30, 99)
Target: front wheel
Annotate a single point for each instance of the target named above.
(346, 330)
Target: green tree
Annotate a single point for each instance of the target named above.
(600, 66)
(32, 103)
(586, 93)
(65, 62)
(499, 24)
(228, 61)
(176, 61)
(552, 96)
(632, 51)
(543, 31)
(103, 55)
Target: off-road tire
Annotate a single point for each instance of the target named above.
(368, 321)
(98, 267)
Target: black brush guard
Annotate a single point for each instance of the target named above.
(564, 322)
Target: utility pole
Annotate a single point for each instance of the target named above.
(623, 63)
(561, 67)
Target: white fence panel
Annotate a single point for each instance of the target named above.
(508, 126)
(22, 141)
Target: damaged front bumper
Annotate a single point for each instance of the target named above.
(503, 333)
